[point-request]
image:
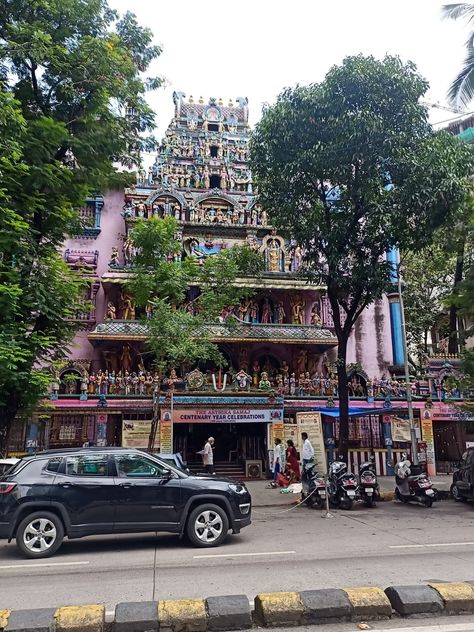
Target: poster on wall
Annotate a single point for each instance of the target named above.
(166, 433)
(136, 433)
(400, 429)
(428, 439)
(101, 430)
(311, 423)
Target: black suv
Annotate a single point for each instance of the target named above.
(91, 491)
(463, 477)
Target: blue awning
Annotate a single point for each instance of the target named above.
(361, 412)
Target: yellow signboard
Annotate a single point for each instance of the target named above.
(166, 436)
(311, 423)
(136, 433)
(428, 438)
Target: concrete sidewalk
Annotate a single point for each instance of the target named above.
(262, 496)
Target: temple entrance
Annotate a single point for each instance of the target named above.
(234, 444)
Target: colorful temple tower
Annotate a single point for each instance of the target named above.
(281, 351)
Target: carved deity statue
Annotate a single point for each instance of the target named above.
(297, 311)
(128, 306)
(273, 256)
(242, 380)
(114, 257)
(111, 312)
(280, 313)
(315, 317)
(266, 312)
(301, 361)
(264, 384)
(126, 358)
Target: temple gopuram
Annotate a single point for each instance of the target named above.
(280, 352)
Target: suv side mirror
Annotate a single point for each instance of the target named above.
(166, 474)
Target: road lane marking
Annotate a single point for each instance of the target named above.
(422, 546)
(432, 627)
(203, 557)
(43, 565)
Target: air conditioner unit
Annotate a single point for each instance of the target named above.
(253, 469)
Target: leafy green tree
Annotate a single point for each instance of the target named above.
(461, 90)
(72, 107)
(185, 296)
(350, 168)
(428, 278)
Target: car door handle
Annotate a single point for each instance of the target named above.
(126, 485)
(66, 484)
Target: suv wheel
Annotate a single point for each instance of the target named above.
(207, 526)
(40, 534)
(455, 493)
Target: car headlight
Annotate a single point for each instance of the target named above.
(238, 489)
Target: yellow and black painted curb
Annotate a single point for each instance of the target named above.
(234, 612)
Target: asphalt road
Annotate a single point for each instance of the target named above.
(295, 550)
(462, 623)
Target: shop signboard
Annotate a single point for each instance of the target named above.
(400, 429)
(428, 439)
(166, 433)
(442, 411)
(227, 415)
(136, 433)
(310, 422)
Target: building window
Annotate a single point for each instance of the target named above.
(213, 127)
(215, 182)
(213, 151)
(89, 216)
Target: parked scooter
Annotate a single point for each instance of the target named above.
(417, 488)
(368, 490)
(342, 486)
(313, 486)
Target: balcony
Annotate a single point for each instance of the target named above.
(234, 332)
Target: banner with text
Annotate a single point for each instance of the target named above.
(428, 439)
(310, 422)
(227, 415)
(166, 434)
(136, 433)
(400, 429)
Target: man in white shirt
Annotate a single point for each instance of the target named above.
(208, 456)
(308, 450)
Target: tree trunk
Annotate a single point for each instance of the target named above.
(453, 344)
(343, 392)
(7, 417)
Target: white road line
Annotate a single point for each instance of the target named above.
(43, 565)
(422, 546)
(203, 557)
(432, 627)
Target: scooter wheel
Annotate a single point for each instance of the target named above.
(400, 497)
(428, 502)
(309, 502)
(346, 504)
(369, 502)
(318, 502)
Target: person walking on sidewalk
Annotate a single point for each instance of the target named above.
(292, 460)
(308, 450)
(208, 456)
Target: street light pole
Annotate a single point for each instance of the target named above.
(414, 443)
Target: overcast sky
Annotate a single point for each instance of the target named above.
(255, 48)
